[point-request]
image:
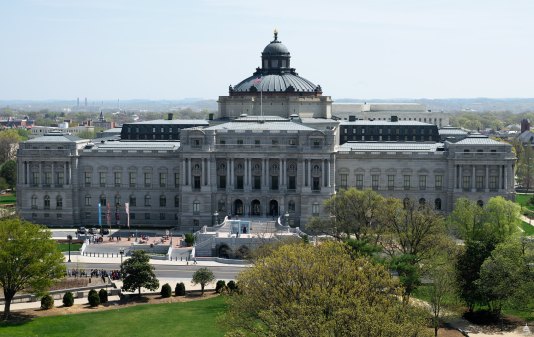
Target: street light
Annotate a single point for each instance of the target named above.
(121, 251)
(69, 237)
(287, 218)
(216, 218)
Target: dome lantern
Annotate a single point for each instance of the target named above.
(275, 56)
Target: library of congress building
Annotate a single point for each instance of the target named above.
(273, 148)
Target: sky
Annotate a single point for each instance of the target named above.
(157, 49)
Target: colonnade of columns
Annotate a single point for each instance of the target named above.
(28, 175)
(503, 178)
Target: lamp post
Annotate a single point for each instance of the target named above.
(121, 251)
(69, 237)
(287, 218)
(216, 218)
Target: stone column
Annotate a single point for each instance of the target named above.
(473, 177)
(501, 180)
(227, 173)
(505, 177)
(184, 171)
(53, 165)
(41, 173)
(486, 180)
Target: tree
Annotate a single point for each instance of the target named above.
(179, 290)
(68, 299)
(29, 259)
(166, 290)
(138, 273)
(203, 276)
(354, 213)
(93, 298)
(8, 144)
(8, 171)
(301, 290)
(525, 166)
(189, 239)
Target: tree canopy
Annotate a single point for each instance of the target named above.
(138, 273)
(29, 259)
(302, 290)
(203, 276)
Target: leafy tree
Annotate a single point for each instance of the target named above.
(301, 290)
(232, 286)
(179, 290)
(166, 290)
(68, 299)
(8, 144)
(93, 298)
(468, 219)
(138, 273)
(8, 171)
(409, 273)
(103, 296)
(355, 213)
(47, 302)
(525, 166)
(220, 286)
(29, 259)
(189, 239)
(203, 276)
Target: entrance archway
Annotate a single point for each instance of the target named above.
(238, 207)
(224, 251)
(255, 209)
(273, 208)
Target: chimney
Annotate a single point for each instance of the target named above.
(169, 116)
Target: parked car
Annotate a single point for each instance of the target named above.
(104, 231)
(81, 230)
(93, 231)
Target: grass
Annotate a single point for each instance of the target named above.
(527, 229)
(64, 247)
(8, 199)
(523, 200)
(196, 318)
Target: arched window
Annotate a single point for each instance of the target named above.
(59, 202)
(422, 202)
(480, 203)
(162, 201)
(47, 202)
(147, 200)
(437, 204)
(34, 201)
(196, 207)
(291, 206)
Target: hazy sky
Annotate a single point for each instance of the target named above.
(155, 49)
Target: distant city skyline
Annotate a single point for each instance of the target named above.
(104, 50)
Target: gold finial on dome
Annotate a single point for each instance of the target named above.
(275, 35)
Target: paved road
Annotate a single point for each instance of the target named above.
(167, 271)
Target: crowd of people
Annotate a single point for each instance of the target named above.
(93, 273)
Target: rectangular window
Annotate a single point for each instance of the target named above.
(87, 200)
(439, 182)
(59, 178)
(239, 182)
(162, 179)
(162, 216)
(274, 182)
(196, 182)
(257, 142)
(35, 178)
(162, 201)
(493, 183)
(257, 183)
(176, 179)
(102, 179)
(343, 180)
(422, 182)
(466, 182)
(240, 142)
(222, 181)
(133, 201)
(316, 184)
(315, 209)
(148, 179)
(117, 177)
(147, 201)
(374, 181)
(479, 182)
(292, 183)
(391, 182)
(47, 178)
(87, 178)
(133, 178)
(407, 182)
(196, 143)
(359, 181)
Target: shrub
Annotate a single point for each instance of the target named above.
(47, 302)
(166, 290)
(93, 298)
(219, 287)
(180, 289)
(103, 296)
(68, 299)
(232, 286)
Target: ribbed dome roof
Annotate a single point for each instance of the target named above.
(276, 83)
(275, 48)
(276, 74)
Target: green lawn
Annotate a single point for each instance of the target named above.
(196, 318)
(64, 247)
(527, 229)
(8, 199)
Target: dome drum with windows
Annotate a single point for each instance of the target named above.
(276, 75)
